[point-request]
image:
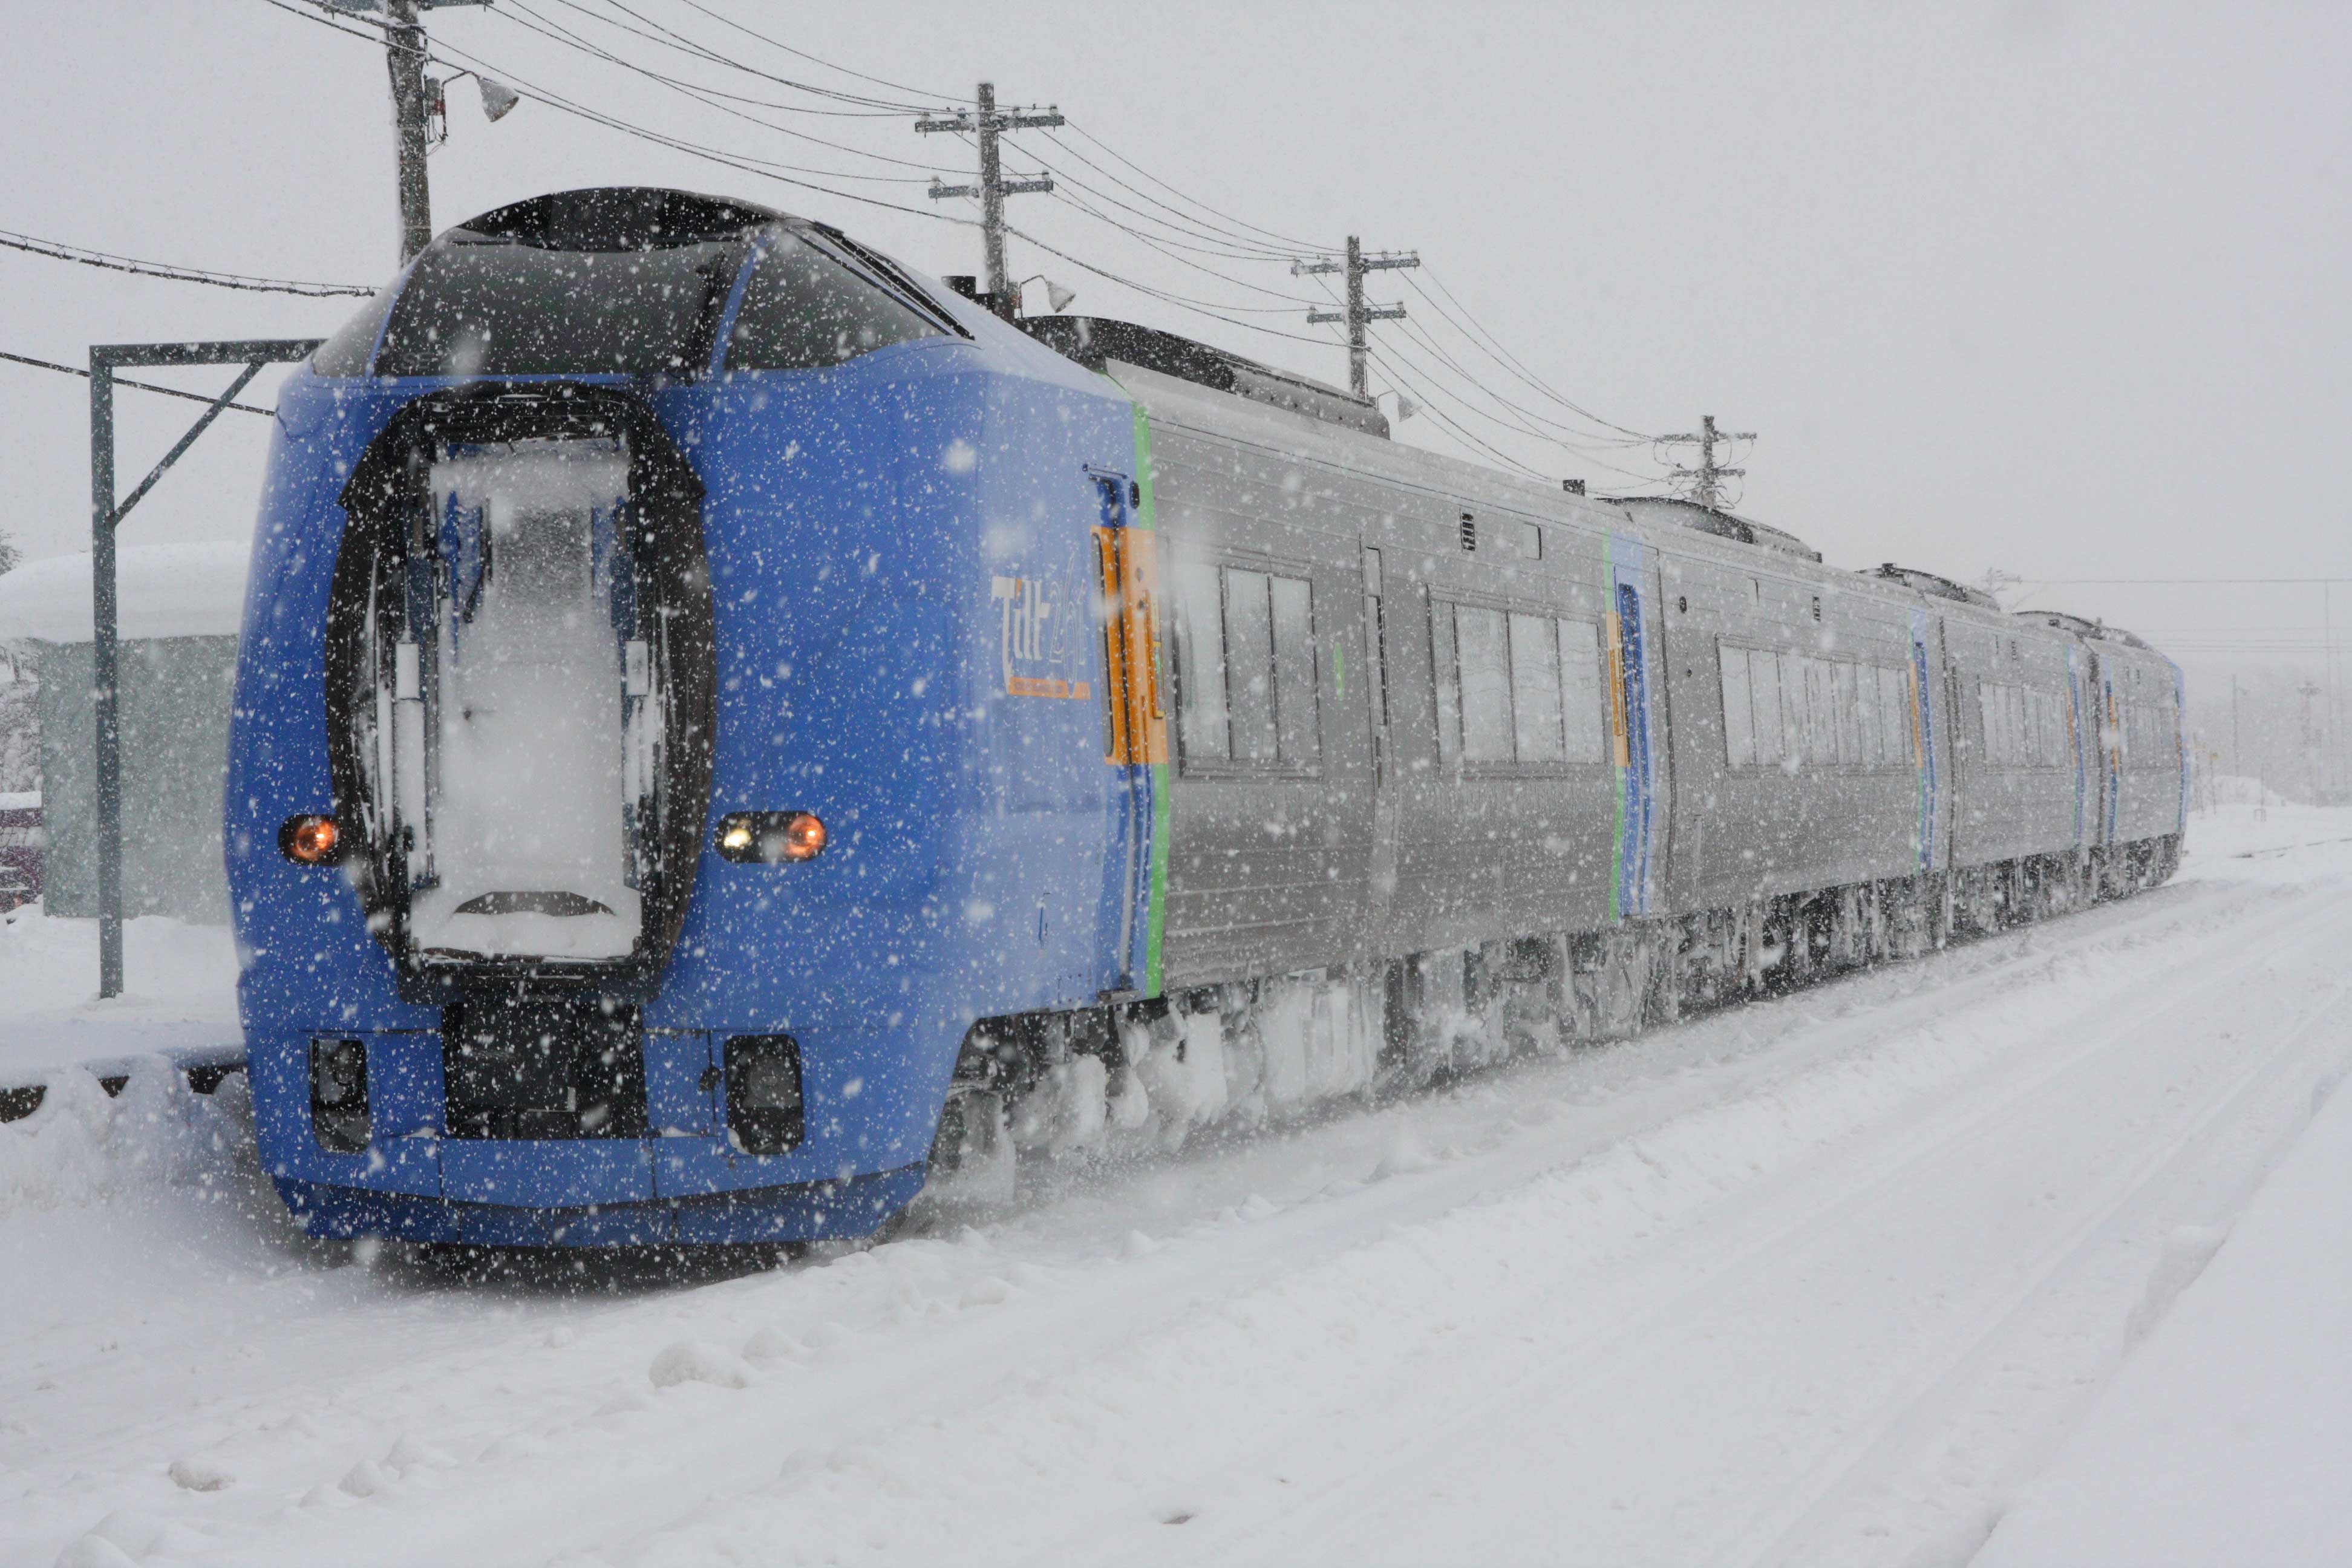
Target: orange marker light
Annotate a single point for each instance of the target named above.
(803, 837)
(310, 840)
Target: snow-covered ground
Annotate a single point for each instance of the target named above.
(1823, 1280)
(179, 992)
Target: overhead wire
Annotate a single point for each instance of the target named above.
(521, 15)
(1389, 356)
(658, 32)
(816, 59)
(1182, 230)
(1245, 246)
(1492, 347)
(58, 250)
(1289, 242)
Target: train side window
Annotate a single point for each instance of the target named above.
(1298, 742)
(1515, 687)
(1246, 668)
(1849, 736)
(1249, 665)
(1739, 714)
(1821, 713)
(1534, 690)
(1774, 728)
(1446, 678)
(1202, 724)
(1580, 689)
(1895, 713)
(1483, 653)
(1867, 729)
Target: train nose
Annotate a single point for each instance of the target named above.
(524, 688)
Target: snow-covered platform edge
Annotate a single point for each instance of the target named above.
(2223, 1441)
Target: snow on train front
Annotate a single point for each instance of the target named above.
(625, 787)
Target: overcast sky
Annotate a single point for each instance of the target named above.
(2055, 289)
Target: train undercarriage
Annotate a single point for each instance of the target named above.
(1135, 1077)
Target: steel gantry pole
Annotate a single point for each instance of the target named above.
(1357, 314)
(106, 516)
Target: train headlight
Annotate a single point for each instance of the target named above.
(763, 1093)
(339, 1096)
(771, 838)
(310, 839)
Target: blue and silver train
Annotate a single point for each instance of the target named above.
(729, 730)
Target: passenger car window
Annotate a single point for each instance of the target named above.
(1247, 670)
(1515, 687)
(1202, 726)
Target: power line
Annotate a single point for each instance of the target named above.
(522, 17)
(1491, 346)
(669, 37)
(1289, 243)
(61, 251)
(814, 59)
(126, 381)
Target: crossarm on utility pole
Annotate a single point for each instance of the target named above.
(988, 122)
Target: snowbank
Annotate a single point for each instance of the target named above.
(161, 591)
(2221, 1442)
(181, 991)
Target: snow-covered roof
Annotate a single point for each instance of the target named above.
(20, 800)
(161, 591)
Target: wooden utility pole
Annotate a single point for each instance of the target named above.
(404, 58)
(988, 124)
(1357, 314)
(1706, 479)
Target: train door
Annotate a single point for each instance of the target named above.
(1382, 874)
(1633, 721)
(1930, 675)
(2080, 663)
(1127, 549)
(2110, 739)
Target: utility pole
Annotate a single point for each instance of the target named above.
(987, 124)
(2237, 757)
(2308, 690)
(1357, 314)
(404, 57)
(1706, 479)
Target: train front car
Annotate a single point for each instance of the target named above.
(670, 710)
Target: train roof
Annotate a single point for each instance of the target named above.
(1095, 342)
(1675, 512)
(2081, 628)
(1934, 587)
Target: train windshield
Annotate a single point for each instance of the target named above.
(537, 727)
(497, 306)
(806, 309)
